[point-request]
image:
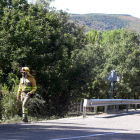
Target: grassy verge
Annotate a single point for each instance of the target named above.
(18, 119)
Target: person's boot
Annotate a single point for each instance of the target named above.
(25, 119)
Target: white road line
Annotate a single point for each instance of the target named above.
(85, 136)
(96, 135)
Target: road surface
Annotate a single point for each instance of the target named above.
(125, 126)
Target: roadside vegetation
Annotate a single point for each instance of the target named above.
(67, 63)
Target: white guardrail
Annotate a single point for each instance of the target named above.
(106, 102)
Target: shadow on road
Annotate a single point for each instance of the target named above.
(61, 130)
(122, 114)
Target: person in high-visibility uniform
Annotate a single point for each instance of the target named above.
(26, 89)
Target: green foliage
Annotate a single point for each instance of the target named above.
(10, 106)
(37, 106)
(67, 64)
(124, 57)
(89, 62)
(93, 37)
(43, 40)
(120, 51)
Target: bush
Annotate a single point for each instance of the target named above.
(10, 106)
(37, 106)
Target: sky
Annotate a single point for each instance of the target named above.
(129, 7)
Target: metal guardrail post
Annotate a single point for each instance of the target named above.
(135, 106)
(105, 109)
(84, 112)
(95, 109)
(127, 106)
(81, 106)
(117, 108)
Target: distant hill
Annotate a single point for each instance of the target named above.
(107, 22)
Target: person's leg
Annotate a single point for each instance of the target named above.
(24, 106)
(22, 100)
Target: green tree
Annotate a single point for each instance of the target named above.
(43, 40)
(122, 55)
(93, 36)
(87, 64)
(119, 50)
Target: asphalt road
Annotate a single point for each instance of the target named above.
(125, 126)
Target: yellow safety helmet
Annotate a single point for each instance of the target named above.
(25, 69)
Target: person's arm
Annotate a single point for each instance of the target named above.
(19, 91)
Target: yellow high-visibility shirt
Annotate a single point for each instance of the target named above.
(27, 85)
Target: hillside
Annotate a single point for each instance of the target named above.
(107, 22)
